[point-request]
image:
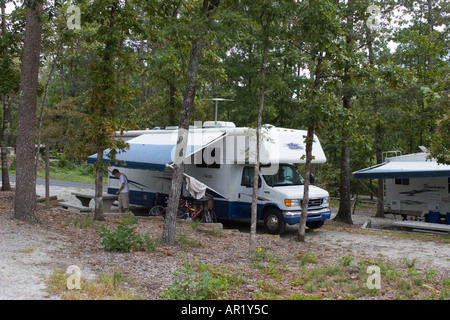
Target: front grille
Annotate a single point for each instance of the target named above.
(314, 203)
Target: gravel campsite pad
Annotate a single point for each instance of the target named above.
(29, 253)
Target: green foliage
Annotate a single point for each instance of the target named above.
(127, 67)
(124, 238)
(345, 261)
(196, 284)
(440, 143)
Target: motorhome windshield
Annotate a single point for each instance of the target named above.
(287, 175)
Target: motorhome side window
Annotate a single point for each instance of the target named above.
(404, 182)
(211, 156)
(249, 172)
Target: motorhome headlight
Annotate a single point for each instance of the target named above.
(326, 201)
(292, 202)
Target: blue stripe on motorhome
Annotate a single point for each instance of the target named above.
(139, 165)
(144, 156)
(235, 209)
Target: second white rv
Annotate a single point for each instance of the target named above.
(415, 185)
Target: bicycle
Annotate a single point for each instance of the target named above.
(205, 215)
(187, 209)
(199, 209)
(160, 210)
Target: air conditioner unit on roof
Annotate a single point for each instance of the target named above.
(218, 124)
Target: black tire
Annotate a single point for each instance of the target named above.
(274, 222)
(181, 213)
(156, 211)
(314, 224)
(209, 216)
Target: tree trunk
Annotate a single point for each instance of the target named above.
(262, 91)
(172, 106)
(169, 229)
(168, 235)
(72, 79)
(378, 137)
(430, 28)
(25, 196)
(309, 167)
(142, 96)
(41, 113)
(6, 186)
(302, 225)
(106, 106)
(379, 155)
(345, 213)
(98, 202)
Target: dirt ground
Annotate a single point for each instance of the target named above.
(30, 253)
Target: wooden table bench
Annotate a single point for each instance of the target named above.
(67, 205)
(85, 199)
(419, 225)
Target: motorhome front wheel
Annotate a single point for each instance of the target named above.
(274, 221)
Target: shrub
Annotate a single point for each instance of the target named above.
(124, 238)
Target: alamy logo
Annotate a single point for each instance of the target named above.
(239, 148)
(74, 280)
(74, 20)
(373, 22)
(374, 280)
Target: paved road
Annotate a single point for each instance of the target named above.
(58, 183)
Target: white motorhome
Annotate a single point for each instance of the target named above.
(415, 185)
(222, 156)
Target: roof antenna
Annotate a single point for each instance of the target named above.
(216, 107)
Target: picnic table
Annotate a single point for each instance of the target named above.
(85, 199)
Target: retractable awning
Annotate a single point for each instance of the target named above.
(155, 150)
(405, 167)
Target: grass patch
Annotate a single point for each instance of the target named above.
(81, 222)
(27, 250)
(106, 287)
(186, 242)
(347, 279)
(306, 257)
(268, 264)
(194, 281)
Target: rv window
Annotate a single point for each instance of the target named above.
(249, 172)
(402, 181)
(287, 175)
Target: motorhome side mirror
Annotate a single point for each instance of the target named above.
(246, 181)
(312, 179)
